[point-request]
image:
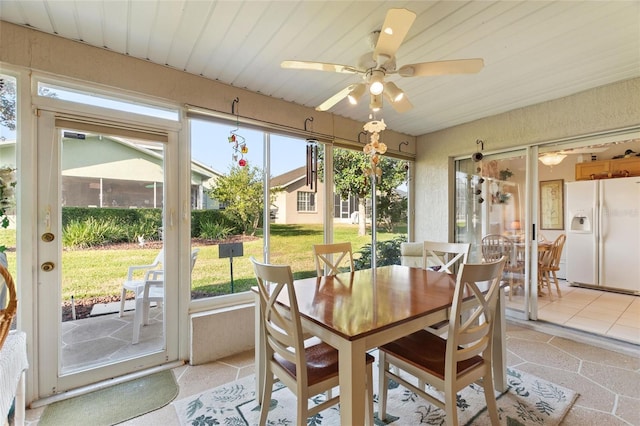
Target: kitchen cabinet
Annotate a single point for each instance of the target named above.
(621, 167)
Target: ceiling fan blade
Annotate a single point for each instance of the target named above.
(335, 98)
(319, 66)
(403, 105)
(459, 66)
(395, 28)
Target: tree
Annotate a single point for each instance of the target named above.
(242, 193)
(8, 103)
(349, 179)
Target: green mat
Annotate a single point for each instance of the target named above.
(114, 404)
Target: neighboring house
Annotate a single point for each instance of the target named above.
(297, 203)
(101, 171)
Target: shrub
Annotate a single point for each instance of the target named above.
(91, 232)
(214, 230)
(387, 253)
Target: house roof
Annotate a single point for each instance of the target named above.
(289, 177)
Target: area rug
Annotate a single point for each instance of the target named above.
(528, 401)
(114, 404)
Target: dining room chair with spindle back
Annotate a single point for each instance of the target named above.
(494, 246)
(450, 364)
(331, 258)
(306, 371)
(550, 264)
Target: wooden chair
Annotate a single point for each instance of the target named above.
(550, 264)
(306, 371)
(444, 257)
(332, 257)
(494, 246)
(450, 364)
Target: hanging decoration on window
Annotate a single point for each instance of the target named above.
(312, 160)
(375, 148)
(239, 144)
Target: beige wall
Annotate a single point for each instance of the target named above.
(601, 109)
(287, 203)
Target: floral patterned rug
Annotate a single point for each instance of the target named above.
(528, 401)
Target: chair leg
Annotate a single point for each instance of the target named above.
(450, 407)
(266, 398)
(383, 384)
(555, 279)
(137, 321)
(489, 396)
(369, 417)
(122, 297)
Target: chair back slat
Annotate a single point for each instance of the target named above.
(445, 256)
(333, 257)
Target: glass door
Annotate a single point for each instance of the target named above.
(101, 210)
(490, 205)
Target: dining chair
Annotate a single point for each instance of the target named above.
(494, 246)
(332, 257)
(550, 264)
(461, 359)
(306, 371)
(444, 257)
(150, 290)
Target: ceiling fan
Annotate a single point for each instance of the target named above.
(375, 66)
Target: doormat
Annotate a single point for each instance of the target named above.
(114, 404)
(529, 400)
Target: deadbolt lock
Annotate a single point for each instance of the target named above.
(47, 237)
(47, 266)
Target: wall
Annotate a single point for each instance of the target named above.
(601, 109)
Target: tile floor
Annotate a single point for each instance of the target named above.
(605, 372)
(609, 314)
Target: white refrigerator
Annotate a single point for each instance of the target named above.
(603, 233)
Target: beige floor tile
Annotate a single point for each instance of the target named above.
(629, 334)
(619, 380)
(628, 409)
(599, 313)
(530, 351)
(555, 316)
(589, 324)
(599, 355)
(582, 416)
(629, 321)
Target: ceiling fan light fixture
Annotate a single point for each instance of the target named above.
(376, 82)
(376, 103)
(393, 92)
(355, 95)
(552, 159)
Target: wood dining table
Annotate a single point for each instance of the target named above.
(362, 310)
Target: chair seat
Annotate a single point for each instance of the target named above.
(427, 351)
(322, 363)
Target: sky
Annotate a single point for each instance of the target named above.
(209, 141)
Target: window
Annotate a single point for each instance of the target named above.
(306, 201)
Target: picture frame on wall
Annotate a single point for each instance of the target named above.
(552, 204)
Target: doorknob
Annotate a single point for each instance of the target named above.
(47, 237)
(47, 266)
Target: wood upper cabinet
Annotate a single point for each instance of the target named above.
(608, 168)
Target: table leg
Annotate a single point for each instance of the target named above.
(500, 345)
(259, 349)
(352, 394)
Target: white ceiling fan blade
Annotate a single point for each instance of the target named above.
(319, 66)
(459, 66)
(335, 98)
(394, 30)
(403, 105)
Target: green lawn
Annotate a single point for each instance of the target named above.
(94, 273)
